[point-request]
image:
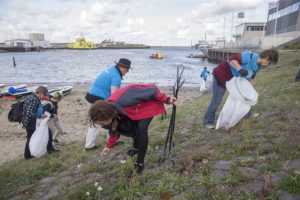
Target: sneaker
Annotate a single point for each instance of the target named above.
(52, 151)
(132, 152)
(139, 167)
(94, 147)
(209, 126)
(118, 143)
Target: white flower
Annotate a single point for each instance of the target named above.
(79, 165)
(88, 193)
(205, 161)
(156, 147)
(122, 161)
(96, 184)
(99, 188)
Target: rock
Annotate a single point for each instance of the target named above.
(293, 164)
(279, 139)
(265, 146)
(261, 166)
(19, 197)
(284, 195)
(272, 156)
(250, 172)
(223, 188)
(52, 193)
(223, 164)
(278, 177)
(47, 180)
(147, 198)
(65, 179)
(205, 148)
(252, 187)
(220, 174)
(246, 161)
(198, 188)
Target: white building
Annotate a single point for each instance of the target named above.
(18, 43)
(36, 36)
(249, 35)
(283, 23)
(38, 40)
(220, 42)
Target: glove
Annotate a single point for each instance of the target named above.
(243, 72)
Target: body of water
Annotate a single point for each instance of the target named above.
(83, 66)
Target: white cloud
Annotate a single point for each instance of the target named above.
(150, 22)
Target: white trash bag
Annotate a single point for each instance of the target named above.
(39, 139)
(241, 97)
(202, 86)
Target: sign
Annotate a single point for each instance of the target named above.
(272, 5)
(241, 15)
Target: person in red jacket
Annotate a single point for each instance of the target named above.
(128, 112)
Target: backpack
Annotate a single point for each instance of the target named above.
(16, 112)
(52, 107)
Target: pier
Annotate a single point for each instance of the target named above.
(218, 55)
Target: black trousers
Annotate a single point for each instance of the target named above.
(30, 130)
(140, 140)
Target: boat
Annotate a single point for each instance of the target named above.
(196, 56)
(6, 90)
(64, 90)
(156, 56)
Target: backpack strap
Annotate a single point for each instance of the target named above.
(48, 102)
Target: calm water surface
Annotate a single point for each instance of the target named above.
(76, 67)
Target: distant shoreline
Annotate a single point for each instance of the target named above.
(40, 49)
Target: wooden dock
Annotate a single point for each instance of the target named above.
(218, 55)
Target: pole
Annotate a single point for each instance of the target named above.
(264, 29)
(231, 27)
(14, 62)
(224, 33)
(274, 36)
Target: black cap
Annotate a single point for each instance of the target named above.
(123, 62)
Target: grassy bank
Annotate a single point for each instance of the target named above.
(258, 158)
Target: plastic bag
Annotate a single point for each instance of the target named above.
(241, 97)
(39, 140)
(202, 86)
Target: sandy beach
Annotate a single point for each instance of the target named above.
(73, 112)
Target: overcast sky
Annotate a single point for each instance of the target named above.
(151, 22)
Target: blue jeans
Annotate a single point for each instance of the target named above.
(216, 99)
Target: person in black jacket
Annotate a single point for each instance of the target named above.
(49, 106)
(54, 122)
(32, 109)
(129, 112)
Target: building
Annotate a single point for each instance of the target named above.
(249, 35)
(17, 43)
(110, 43)
(283, 24)
(36, 36)
(220, 42)
(38, 40)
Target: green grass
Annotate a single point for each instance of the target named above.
(279, 109)
(291, 184)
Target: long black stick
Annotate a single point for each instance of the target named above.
(169, 140)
